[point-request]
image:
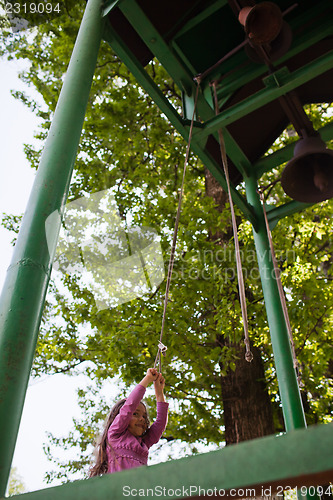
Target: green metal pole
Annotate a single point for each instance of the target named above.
(289, 391)
(24, 291)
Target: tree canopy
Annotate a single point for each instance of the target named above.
(15, 484)
(128, 148)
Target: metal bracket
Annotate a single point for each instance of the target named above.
(108, 6)
(277, 79)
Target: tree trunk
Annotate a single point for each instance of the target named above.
(246, 402)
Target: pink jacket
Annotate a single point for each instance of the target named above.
(128, 451)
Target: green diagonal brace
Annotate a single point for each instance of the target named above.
(166, 107)
(259, 99)
(277, 213)
(157, 45)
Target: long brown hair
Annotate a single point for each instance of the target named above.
(101, 466)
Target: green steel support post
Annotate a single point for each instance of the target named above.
(24, 291)
(289, 391)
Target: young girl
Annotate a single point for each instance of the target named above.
(127, 436)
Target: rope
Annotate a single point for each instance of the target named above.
(161, 347)
(241, 287)
(280, 288)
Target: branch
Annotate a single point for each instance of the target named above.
(299, 349)
(69, 367)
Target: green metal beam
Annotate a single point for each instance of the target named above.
(136, 68)
(181, 73)
(253, 468)
(283, 85)
(176, 120)
(292, 407)
(197, 19)
(236, 154)
(210, 10)
(177, 50)
(142, 25)
(108, 6)
(277, 213)
(267, 163)
(24, 291)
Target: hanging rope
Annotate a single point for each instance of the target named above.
(161, 347)
(280, 288)
(248, 353)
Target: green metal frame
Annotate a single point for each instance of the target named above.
(256, 463)
(172, 114)
(253, 468)
(277, 84)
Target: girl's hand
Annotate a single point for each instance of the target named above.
(152, 374)
(159, 385)
(150, 377)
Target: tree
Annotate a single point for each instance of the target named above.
(128, 147)
(15, 483)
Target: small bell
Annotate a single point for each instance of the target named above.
(308, 177)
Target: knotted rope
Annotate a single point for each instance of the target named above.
(241, 287)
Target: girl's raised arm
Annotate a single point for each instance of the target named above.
(159, 385)
(155, 432)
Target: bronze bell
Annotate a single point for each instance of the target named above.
(308, 177)
(262, 22)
